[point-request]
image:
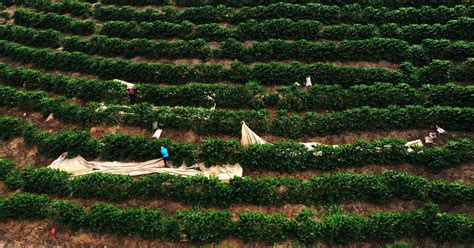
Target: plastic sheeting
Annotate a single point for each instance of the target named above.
(129, 85)
(413, 143)
(79, 166)
(249, 137)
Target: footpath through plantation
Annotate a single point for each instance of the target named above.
(242, 123)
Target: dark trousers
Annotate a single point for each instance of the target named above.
(166, 161)
(133, 98)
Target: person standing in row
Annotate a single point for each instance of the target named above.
(132, 94)
(165, 155)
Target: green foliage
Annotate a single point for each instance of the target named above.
(23, 206)
(285, 28)
(267, 73)
(104, 186)
(213, 226)
(203, 191)
(251, 95)
(30, 36)
(255, 226)
(280, 156)
(219, 151)
(6, 167)
(45, 180)
(326, 13)
(13, 125)
(55, 21)
(70, 214)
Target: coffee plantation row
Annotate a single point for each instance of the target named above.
(438, 71)
(282, 156)
(195, 70)
(207, 121)
(241, 3)
(203, 191)
(211, 226)
(374, 49)
(251, 95)
(327, 14)
(460, 28)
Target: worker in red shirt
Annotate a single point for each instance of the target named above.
(132, 94)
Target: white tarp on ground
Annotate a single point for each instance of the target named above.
(79, 166)
(417, 142)
(249, 137)
(129, 85)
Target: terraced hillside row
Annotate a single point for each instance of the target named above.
(382, 73)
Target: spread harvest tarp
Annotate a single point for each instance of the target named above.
(79, 166)
(250, 138)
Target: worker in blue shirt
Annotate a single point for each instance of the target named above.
(165, 155)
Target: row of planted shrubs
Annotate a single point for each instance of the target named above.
(211, 226)
(438, 71)
(282, 28)
(460, 28)
(73, 7)
(374, 49)
(251, 95)
(327, 14)
(55, 21)
(199, 190)
(208, 121)
(240, 3)
(280, 156)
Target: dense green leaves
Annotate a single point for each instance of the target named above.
(213, 226)
(207, 121)
(203, 191)
(251, 95)
(55, 21)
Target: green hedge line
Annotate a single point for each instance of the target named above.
(327, 14)
(30, 36)
(55, 21)
(389, 3)
(206, 121)
(211, 226)
(198, 190)
(461, 28)
(280, 156)
(251, 95)
(73, 7)
(374, 49)
(103, 45)
(267, 73)
(225, 96)
(240, 3)
(271, 73)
